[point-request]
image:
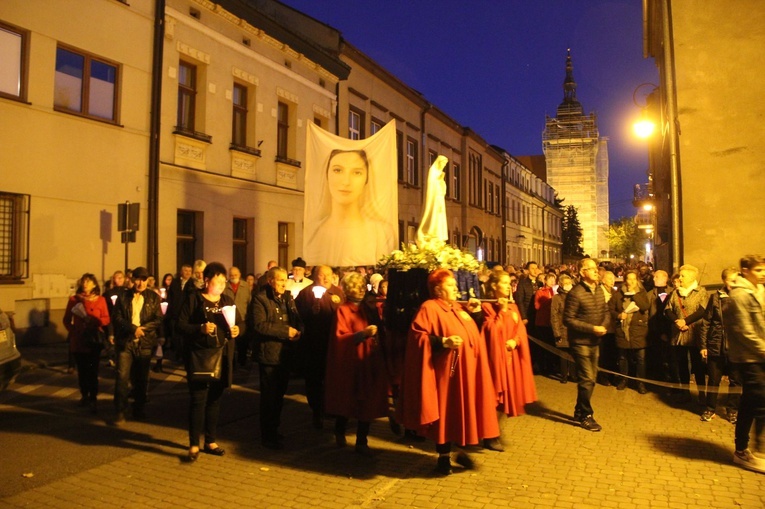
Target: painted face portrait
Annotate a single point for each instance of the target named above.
(351, 200)
(347, 174)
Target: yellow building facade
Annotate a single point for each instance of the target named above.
(200, 117)
(705, 164)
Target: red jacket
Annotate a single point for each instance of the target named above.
(543, 304)
(98, 317)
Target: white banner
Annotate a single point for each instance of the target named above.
(351, 198)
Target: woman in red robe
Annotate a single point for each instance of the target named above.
(508, 346)
(447, 392)
(356, 382)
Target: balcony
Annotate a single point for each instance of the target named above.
(644, 219)
(643, 195)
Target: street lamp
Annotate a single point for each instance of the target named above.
(645, 127)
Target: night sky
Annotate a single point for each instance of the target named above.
(497, 66)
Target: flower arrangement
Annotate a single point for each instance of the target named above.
(435, 254)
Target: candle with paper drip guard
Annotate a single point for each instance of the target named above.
(114, 299)
(318, 291)
(162, 306)
(229, 313)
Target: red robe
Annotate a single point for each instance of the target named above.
(356, 383)
(443, 404)
(511, 370)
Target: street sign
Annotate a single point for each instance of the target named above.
(128, 217)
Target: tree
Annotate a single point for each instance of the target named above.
(572, 234)
(625, 238)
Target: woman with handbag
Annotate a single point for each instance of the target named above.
(209, 331)
(85, 317)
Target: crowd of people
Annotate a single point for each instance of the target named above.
(459, 369)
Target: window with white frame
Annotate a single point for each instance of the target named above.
(456, 182)
(412, 173)
(355, 125)
(375, 125)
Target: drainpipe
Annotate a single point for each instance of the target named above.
(674, 167)
(152, 243)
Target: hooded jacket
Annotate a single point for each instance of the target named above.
(744, 323)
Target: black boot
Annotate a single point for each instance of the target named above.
(444, 465)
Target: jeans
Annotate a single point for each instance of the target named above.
(132, 369)
(586, 359)
(717, 366)
(204, 410)
(634, 356)
(752, 405)
(87, 373)
(273, 386)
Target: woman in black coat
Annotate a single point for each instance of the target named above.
(629, 310)
(205, 330)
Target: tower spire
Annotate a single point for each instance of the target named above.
(569, 85)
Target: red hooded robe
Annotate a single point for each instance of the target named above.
(448, 395)
(356, 383)
(511, 370)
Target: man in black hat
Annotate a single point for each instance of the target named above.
(298, 281)
(137, 321)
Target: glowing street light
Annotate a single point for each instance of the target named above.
(643, 128)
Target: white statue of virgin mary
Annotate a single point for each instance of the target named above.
(433, 223)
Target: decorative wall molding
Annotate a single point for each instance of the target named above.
(284, 94)
(244, 76)
(194, 53)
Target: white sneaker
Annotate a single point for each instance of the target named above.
(749, 461)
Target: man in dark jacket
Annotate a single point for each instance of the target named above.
(276, 324)
(137, 322)
(524, 294)
(585, 315)
(744, 323)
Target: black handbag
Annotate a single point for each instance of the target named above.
(94, 338)
(205, 364)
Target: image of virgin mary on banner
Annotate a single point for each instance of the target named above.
(351, 198)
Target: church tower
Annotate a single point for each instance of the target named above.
(577, 165)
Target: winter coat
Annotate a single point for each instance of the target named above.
(744, 322)
(632, 332)
(150, 318)
(585, 308)
(659, 327)
(270, 326)
(194, 313)
(712, 333)
(524, 298)
(691, 308)
(556, 318)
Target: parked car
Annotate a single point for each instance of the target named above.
(10, 358)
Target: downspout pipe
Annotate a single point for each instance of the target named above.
(155, 114)
(674, 164)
